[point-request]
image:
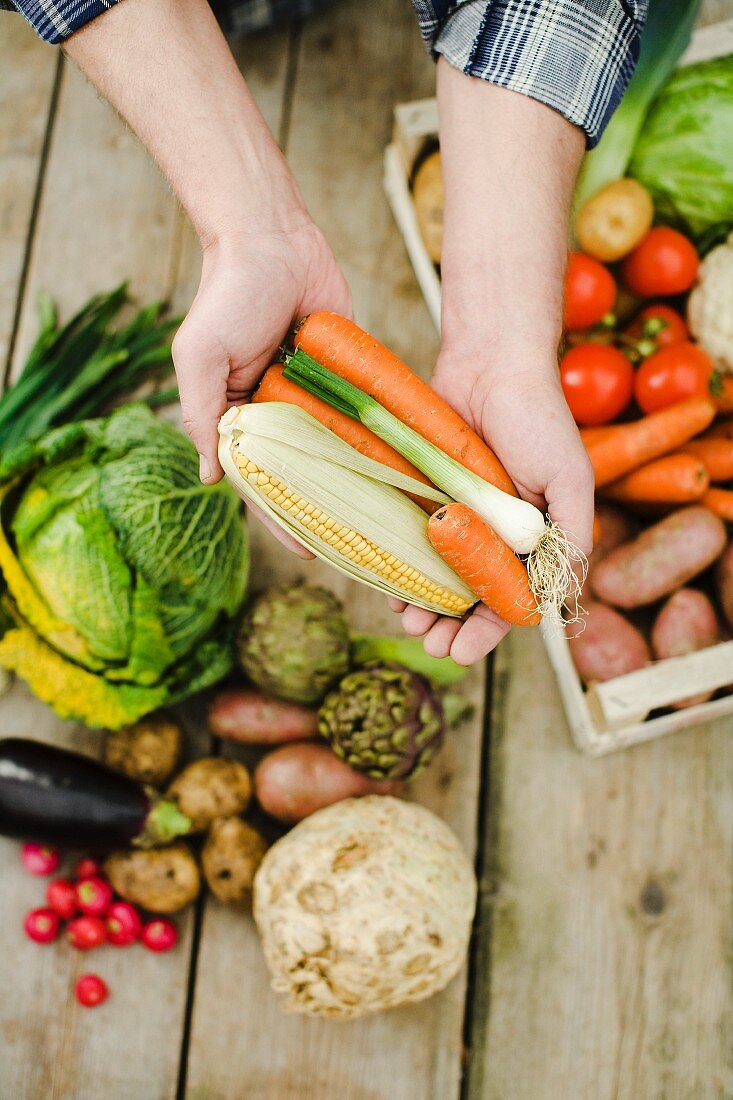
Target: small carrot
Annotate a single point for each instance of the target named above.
(673, 479)
(274, 387)
(719, 501)
(345, 349)
(717, 454)
(594, 435)
(485, 562)
(638, 442)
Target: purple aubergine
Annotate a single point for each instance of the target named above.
(64, 799)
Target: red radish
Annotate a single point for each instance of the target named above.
(123, 924)
(61, 896)
(86, 932)
(39, 860)
(88, 868)
(41, 925)
(93, 896)
(91, 990)
(159, 935)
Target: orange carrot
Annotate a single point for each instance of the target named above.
(634, 444)
(719, 501)
(717, 454)
(353, 354)
(673, 479)
(274, 387)
(485, 562)
(593, 435)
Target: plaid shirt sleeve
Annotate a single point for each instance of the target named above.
(56, 20)
(576, 56)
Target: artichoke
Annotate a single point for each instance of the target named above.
(384, 720)
(294, 642)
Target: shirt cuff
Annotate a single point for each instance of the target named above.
(576, 56)
(57, 20)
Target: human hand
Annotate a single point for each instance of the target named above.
(523, 415)
(253, 288)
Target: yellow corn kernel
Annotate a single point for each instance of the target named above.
(349, 543)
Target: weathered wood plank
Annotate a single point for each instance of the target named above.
(27, 78)
(340, 124)
(105, 215)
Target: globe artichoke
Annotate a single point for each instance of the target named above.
(294, 642)
(384, 720)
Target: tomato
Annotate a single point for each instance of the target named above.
(589, 292)
(661, 324)
(598, 382)
(673, 374)
(664, 263)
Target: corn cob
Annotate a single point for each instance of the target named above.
(349, 543)
(342, 506)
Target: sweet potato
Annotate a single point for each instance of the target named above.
(605, 645)
(254, 719)
(724, 583)
(687, 622)
(661, 559)
(296, 780)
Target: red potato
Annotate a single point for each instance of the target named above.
(612, 527)
(686, 623)
(661, 559)
(252, 718)
(724, 583)
(605, 645)
(296, 780)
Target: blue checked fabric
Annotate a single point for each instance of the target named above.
(577, 56)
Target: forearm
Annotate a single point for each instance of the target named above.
(509, 165)
(166, 68)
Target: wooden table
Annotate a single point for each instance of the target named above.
(602, 961)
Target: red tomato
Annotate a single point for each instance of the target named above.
(589, 292)
(659, 323)
(597, 381)
(664, 263)
(671, 375)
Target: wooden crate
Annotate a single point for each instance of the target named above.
(613, 715)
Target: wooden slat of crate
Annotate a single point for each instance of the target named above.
(340, 121)
(604, 967)
(27, 76)
(105, 215)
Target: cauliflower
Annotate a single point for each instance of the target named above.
(710, 306)
(364, 906)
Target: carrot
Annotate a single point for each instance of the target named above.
(634, 444)
(719, 501)
(673, 479)
(594, 435)
(274, 387)
(344, 348)
(485, 562)
(717, 454)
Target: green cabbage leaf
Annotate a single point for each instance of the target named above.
(124, 574)
(684, 153)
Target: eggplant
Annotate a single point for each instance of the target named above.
(64, 799)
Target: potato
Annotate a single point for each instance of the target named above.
(148, 751)
(615, 528)
(687, 622)
(296, 780)
(429, 199)
(615, 220)
(211, 787)
(162, 880)
(250, 717)
(724, 583)
(662, 558)
(230, 857)
(605, 645)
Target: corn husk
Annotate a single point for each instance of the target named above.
(292, 447)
